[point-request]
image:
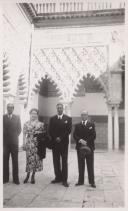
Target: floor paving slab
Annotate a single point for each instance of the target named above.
(103, 205)
(20, 200)
(10, 190)
(114, 195)
(88, 205)
(70, 204)
(74, 194)
(109, 191)
(53, 192)
(45, 203)
(54, 204)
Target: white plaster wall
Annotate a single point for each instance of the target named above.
(78, 35)
(16, 42)
(16, 18)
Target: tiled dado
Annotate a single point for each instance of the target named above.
(101, 123)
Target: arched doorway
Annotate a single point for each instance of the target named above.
(91, 96)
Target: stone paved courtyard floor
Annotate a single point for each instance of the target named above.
(109, 192)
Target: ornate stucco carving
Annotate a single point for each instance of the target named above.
(67, 66)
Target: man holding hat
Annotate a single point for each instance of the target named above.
(85, 134)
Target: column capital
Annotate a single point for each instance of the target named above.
(112, 104)
(116, 106)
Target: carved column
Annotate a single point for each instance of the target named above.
(30, 73)
(116, 127)
(67, 108)
(110, 128)
(22, 115)
(115, 99)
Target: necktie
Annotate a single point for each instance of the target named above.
(83, 122)
(10, 117)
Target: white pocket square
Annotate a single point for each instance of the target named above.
(90, 128)
(66, 122)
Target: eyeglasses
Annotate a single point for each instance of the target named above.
(33, 113)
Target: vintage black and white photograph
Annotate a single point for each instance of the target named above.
(63, 71)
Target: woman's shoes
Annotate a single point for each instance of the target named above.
(26, 179)
(32, 180)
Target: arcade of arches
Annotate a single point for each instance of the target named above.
(71, 52)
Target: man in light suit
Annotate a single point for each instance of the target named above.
(59, 129)
(85, 134)
(11, 131)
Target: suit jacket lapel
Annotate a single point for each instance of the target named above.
(55, 118)
(12, 117)
(84, 125)
(63, 117)
(87, 123)
(81, 124)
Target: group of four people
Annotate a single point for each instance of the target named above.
(36, 137)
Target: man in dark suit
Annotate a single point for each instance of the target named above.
(59, 129)
(85, 134)
(11, 131)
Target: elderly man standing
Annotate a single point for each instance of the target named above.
(59, 129)
(11, 131)
(85, 134)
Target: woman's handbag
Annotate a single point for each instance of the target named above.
(41, 148)
(48, 142)
(84, 151)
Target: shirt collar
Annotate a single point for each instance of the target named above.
(85, 122)
(9, 115)
(60, 116)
